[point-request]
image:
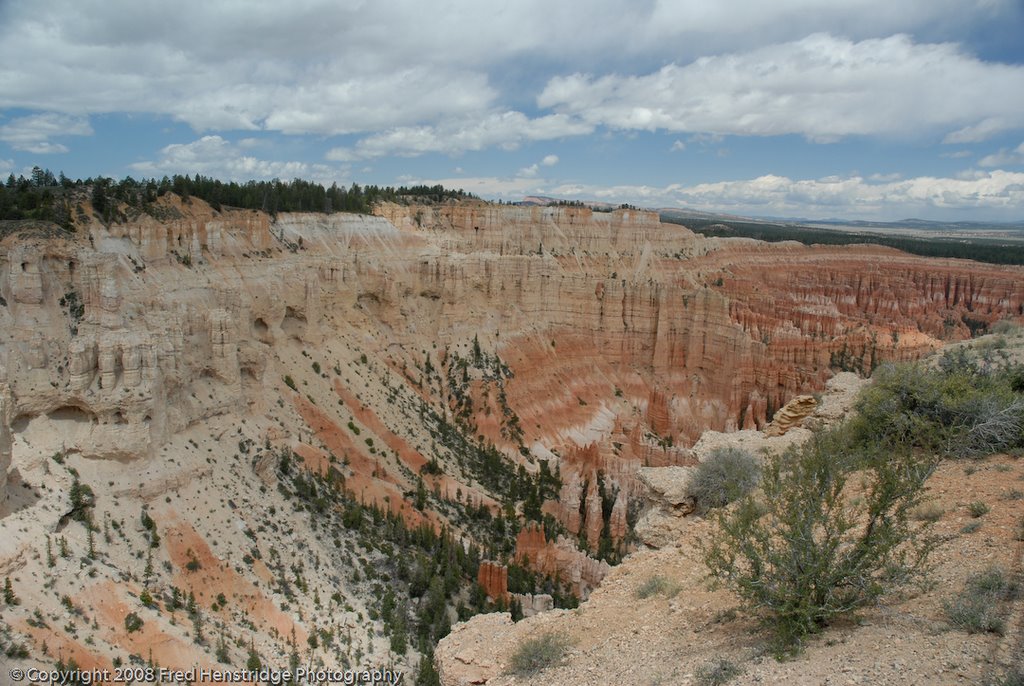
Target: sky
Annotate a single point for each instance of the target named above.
(861, 109)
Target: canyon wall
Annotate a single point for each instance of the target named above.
(459, 366)
(625, 338)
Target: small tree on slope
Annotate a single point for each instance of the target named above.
(830, 531)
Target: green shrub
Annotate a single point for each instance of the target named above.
(964, 406)
(290, 383)
(537, 654)
(716, 672)
(726, 475)
(658, 584)
(807, 551)
(977, 609)
(978, 509)
(1004, 327)
(132, 622)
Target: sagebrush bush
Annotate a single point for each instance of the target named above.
(977, 609)
(929, 512)
(964, 406)
(978, 508)
(656, 585)
(537, 654)
(806, 550)
(725, 476)
(1004, 327)
(716, 672)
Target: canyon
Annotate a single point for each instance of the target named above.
(169, 360)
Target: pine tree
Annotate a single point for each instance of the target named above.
(9, 596)
(222, 648)
(252, 662)
(293, 656)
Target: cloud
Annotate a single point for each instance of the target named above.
(1004, 158)
(975, 133)
(995, 193)
(822, 87)
(532, 171)
(219, 158)
(6, 167)
(33, 133)
(371, 67)
(957, 154)
(507, 130)
(529, 172)
(677, 146)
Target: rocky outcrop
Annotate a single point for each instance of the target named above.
(791, 415)
(534, 603)
(25, 282)
(559, 559)
(493, 579)
(667, 504)
(665, 516)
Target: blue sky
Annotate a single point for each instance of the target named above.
(867, 109)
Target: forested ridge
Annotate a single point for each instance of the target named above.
(46, 197)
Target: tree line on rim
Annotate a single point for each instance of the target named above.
(45, 197)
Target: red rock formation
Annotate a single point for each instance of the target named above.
(559, 559)
(493, 579)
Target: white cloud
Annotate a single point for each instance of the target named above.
(992, 194)
(219, 158)
(507, 130)
(983, 130)
(327, 68)
(32, 133)
(677, 146)
(529, 172)
(6, 167)
(533, 171)
(1004, 158)
(822, 87)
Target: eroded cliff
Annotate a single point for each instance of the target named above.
(176, 359)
